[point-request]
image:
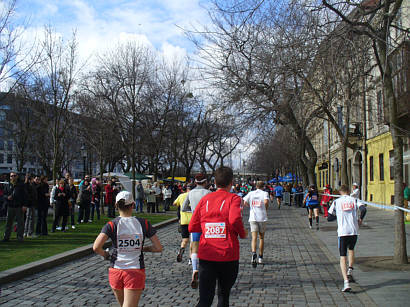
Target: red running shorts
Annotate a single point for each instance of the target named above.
(126, 279)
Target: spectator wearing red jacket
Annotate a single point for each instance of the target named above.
(326, 199)
(218, 216)
(109, 198)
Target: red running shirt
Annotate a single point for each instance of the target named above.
(218, 217)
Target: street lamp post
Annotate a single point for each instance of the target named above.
(84, 155)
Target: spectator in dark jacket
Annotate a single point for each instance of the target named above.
(15, 195)
(72, 198)
(84, 201)
(43, 194)
(31, 204)
(61, 205)
(139, 197)
(109, 198)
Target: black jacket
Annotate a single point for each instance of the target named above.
(18, 192)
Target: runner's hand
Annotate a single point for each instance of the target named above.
(360, 222)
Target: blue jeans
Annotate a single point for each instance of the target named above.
(139, 203)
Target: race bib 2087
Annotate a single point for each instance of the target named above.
(215, 231)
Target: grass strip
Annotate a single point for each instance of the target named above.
(14, 253)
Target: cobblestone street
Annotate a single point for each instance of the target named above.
(297, 271)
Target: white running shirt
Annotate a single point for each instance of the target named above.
(346, 208)
(256, 201)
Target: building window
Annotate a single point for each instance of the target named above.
(9, 159)
(10, 145)
(391, 160)
(371, 170)
(381, 167)
(1, 145)
(380, 106)
(1, 158)
(320, 179)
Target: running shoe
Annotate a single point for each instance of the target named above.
(189, 261)
(194, 282)
(346, 287)
(254, 263)
(260, 260)
(310, 226)
(72, 227)
(181, 252)
(350, 275)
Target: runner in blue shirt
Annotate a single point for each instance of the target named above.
(279, 194)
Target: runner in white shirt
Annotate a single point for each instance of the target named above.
(258, 202)
(345, 209)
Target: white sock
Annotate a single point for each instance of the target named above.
(194, 258)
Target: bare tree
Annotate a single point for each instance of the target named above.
(50, 85)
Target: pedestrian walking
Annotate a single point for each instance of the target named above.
(258, 202)
(126, 274)
(189, 205)
(345, 210)
(158, 194)
(218, 218)
(312, 204)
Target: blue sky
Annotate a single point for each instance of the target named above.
(102, 23)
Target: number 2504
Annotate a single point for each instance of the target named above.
(126, 243)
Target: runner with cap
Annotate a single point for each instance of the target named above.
(258, 202)
(345, 210)
(312, 204)
(126, 274)
(189, 204)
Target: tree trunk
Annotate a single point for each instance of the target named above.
(400, 249)
(344, 175)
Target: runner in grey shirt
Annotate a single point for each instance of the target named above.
(190, 203)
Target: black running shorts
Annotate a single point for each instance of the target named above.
(184, 231)
(311, 207)
(346, 242)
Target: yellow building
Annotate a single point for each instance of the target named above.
(380, 185)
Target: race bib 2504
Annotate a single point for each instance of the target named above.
(129, 243)
(215, 230)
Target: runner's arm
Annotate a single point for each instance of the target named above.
(195, 223)
(266, 201)
(99, 244)
(156, 246)
(331, 213)
(235, 218)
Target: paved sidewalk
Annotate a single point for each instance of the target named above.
(300, 270)
(387, 287)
